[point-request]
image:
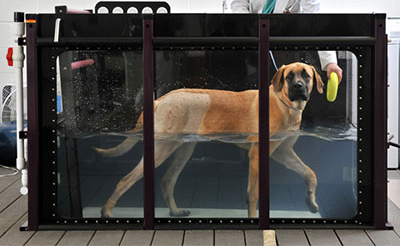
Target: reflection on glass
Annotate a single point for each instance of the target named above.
(99, 97)
(206, 173)
(327, 144)
(206, 142)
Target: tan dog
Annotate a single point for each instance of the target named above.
(207, 112)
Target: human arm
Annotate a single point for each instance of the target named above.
(329, 63)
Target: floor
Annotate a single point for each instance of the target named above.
(13, 213)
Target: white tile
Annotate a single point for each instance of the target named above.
(206, 6)
(7, 39)
(394, 191)
(8, 7)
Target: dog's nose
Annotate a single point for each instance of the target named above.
(298, 85)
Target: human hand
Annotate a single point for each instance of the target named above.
(333, 67)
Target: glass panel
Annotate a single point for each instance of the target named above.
(99, 98)
(199, 141)
(324, 146)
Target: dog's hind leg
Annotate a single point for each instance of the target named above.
(285, 155)
(162, 149)
(180, 158)
(252, 186)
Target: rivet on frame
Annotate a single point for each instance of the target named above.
(360, 181)
(127, 221)
(360, 213)
(241, 221)
(181, 48)
(348, 48)
(54, 194)
(52, 57)
(109, 48)
(190, 221)
(273, 221)
(58, 222)
(97, 221)
(306, 48)
(76, 221)
(77, 48)
(251, 221)
(360, 76)
(52, 68)
(361, 65)
(360, 55)
(52, 89)
(210, 221)
(221, 221)
(53, 100)
(86, 222)
(304, 221)
(293, 221)
(138, 221)
(286, 48)
(360, 150)
(231, 221)
(283, 221)
(119, 48)
(317, 48)
(233, 48)
(200, 221)
(360, 223)
(356, 221)
(314, 221)
(106, 221)
(360, 202)
(360, 87)
(65, 222)
(244, 48)
(169, 221)
(334, 221)
(117, 221)
(98, 48)
(54, 204)
(54, 173)
(54, 215)
(324, 221)
(360, 161)
(360, 171)
(338, 48)
(179, 221)
(361, 108)
(361, 118)
(360, 192)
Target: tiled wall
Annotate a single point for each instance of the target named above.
(7, 7)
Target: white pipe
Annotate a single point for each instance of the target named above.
(18, 62)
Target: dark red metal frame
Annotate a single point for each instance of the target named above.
(264, 41)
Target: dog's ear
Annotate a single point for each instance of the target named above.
(318, 81)
(277, 80)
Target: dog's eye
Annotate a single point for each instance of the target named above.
(290, 76)
(305, 75)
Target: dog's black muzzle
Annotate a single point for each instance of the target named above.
(298, 91)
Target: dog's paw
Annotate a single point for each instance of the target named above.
(312, 205)
(179, 213)
(105, 213)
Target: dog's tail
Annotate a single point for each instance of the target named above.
(118, 150)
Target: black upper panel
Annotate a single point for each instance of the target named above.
(207, 25)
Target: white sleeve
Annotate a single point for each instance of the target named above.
(310, 6)
(327, 57)
(240, 6)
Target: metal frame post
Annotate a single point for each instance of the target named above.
(380, 124)
(33, 125)
(148, 121)
(263, 124)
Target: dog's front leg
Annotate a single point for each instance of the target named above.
(180, 158)
(285, 155)
(252, 187)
